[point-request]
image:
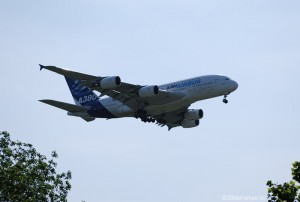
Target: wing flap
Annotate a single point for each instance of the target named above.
(123, 98)
(171, 119)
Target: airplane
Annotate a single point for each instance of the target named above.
(167, 104)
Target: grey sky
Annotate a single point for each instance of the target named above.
(236, 148)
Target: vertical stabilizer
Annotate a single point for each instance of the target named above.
(82, 95)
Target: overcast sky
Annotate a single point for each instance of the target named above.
(237, 147)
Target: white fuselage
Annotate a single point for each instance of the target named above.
(194, 89)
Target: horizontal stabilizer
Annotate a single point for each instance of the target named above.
(65, 106)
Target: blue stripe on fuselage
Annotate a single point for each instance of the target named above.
(86, 97)
(99, 111)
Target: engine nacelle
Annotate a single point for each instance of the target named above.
(190, 123)
(110, 82)
(193, 114)
(148, 91)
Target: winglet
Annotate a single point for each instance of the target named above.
(41, 67)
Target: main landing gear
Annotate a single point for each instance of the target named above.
(143, 116)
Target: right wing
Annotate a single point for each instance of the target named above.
(183, 117)
(171, 119)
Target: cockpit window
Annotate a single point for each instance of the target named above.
(227, 79)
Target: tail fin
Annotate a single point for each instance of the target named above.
(82, 95)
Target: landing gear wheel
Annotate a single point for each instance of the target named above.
(225, 100)
(141, 114)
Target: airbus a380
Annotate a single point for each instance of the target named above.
(167, 105)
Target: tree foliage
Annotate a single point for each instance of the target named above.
(26, 175)
(288, 191)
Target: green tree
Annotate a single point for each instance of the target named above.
(26, 175)
(288, 191)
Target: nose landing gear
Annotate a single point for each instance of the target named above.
(225, 100)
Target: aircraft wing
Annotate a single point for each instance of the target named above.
(69, 73)
(171, 119)
(126, 93)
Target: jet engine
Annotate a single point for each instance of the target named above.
(189, 123)
(193, 114)
(110, 82)
(148, 91)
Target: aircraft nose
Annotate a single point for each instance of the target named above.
(235, 85)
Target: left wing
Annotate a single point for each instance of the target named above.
(134, 96)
